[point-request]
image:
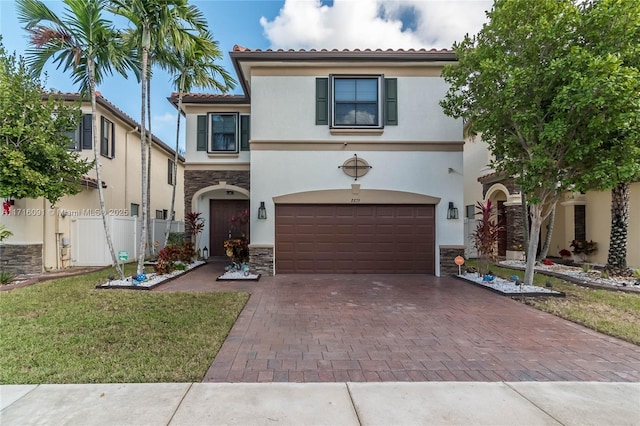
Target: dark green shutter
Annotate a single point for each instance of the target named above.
(85, 132)
(322, 101)
(202, 133)
(391, 101)
(113, 140)
(244, 132)
(104, 142)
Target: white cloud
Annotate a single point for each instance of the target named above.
(361, 24)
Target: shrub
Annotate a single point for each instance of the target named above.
(237, 249)
(6, 277)
(175, 238)
(584, 247)
(187, 252)
(565, 253)
(166, 259)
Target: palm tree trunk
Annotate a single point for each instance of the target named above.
(143, 164)
(617, 258)
(94, 131)
(547, 238)
(150, 246)
(175, 167)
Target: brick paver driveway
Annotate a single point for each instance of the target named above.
(337, 328)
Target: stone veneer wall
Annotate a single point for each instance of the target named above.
(515, 231)
(261, 260)
(21, 258)
(447, 254)
(508, 183)
(195, 180)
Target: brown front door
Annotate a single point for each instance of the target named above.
(312, 238)
(502, 232)
(220, 213)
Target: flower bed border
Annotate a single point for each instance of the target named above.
(555, 293)
(577, 281)
(257, 278)
(106, 285)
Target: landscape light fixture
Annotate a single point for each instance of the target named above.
(205, 253)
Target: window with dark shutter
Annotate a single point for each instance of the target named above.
(356, 102)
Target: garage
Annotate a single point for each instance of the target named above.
(355, 238)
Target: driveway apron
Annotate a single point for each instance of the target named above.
(372, 328)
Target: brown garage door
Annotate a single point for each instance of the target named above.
(355, 238)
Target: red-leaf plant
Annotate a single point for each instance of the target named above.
(485, 236)
(195, 225)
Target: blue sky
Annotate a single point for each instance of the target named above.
(287, 24)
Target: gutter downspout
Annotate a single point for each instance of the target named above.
(127, 204)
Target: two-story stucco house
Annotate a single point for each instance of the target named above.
(71, 233)
(344, 159)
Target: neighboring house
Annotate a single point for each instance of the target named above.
(71, 233)
(578, 216)
(345, 160)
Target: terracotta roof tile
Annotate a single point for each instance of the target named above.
(238, 48)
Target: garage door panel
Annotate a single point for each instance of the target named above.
(355, 238)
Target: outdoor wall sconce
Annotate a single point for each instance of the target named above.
(452, 212)
(205, 253)
(262, 211)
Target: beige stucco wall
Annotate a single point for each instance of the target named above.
(598, 213)
(37, 221)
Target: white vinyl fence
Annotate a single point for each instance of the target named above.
(89, 244)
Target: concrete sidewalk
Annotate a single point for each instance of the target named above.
(391, 403)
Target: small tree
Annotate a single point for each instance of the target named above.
(485, 236)
(35, 160)
(544, 99)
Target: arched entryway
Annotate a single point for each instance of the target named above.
(218, 205)
(508, 214)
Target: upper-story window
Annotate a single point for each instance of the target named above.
(107, 138)
(74, 139)
(171, 177)
(81, 137)
(356, 101)
(223, 133)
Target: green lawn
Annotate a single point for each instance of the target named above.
(66, 331)
(611, 312)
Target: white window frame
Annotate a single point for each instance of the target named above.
(108, 126)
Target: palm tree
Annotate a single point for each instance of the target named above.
(194, 66)
(85, 44)
(156, 23)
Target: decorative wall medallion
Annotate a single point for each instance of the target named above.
(355, 167)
